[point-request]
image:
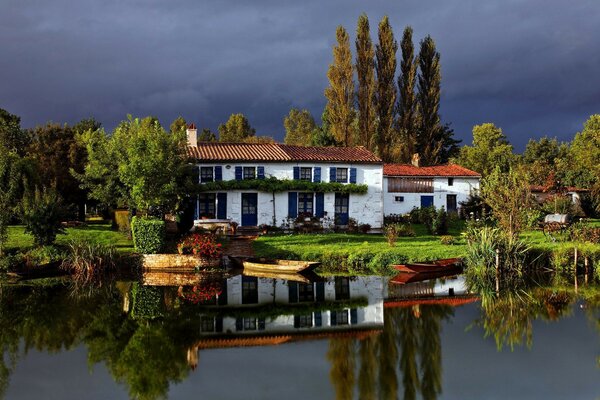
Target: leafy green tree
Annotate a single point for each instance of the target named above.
(57, 151)
(86, 124)
(207, 136)
(490, 150)
(365, 71)
(544, 157)
(385, 67)
(321, 135)
(236, 129)
(585, 158)
(12, 137)
(42, 212)
(299, 126)
(179, 125)
(407, 105)
(340, 92)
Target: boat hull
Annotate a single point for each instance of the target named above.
(448, 264)
(278, 266)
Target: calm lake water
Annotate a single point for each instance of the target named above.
(267, 338)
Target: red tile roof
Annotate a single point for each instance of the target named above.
(435, 170)
(274, 152)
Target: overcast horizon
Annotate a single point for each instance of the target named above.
(529, 67)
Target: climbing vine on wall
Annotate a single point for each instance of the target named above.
(274, 185)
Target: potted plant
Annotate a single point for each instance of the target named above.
(203, 246)
(233, 225)
(264, 228)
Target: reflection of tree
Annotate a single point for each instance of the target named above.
(407, 337)
(430, 349)
(388, 359)
(368, 369)
(341, 356)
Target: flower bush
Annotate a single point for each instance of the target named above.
(201, 293)
(200, 245)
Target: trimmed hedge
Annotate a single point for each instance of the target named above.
(148, 234)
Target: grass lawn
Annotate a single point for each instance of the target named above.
(99, 233)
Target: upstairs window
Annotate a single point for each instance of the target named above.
(450, 181)
(342, 288)
(306, 292)
(341, 175)
(305, 321)
(410, 185)
(306, 174)
(206, 174)
(249, 172)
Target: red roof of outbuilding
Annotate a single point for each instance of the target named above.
(274, 152)
(435, 170)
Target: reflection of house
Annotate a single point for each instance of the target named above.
(407, 186)
(306, 307)
(249, 206)
(435, 288)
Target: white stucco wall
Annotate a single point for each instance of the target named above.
(365, 208)
(462, 187)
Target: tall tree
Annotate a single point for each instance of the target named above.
(386, 87)
(299, 126)
(236, 129)
(490, 149)
(207, 136)
(321, 135)
(585, 158)
(407, 104)
(365, 70)
(340, 92)
(543, 158)
(179, 125)
(429, 144)
(12, 137)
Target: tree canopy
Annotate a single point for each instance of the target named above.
(299, 127)
(236, 129)
(490, 150)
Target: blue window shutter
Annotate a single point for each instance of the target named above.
(317, 175)
(261, 324)
(353, 316)
(293, 294)
(219, 324)
(320, 204)
(296, 321)
(199, 179)
(333, 318)
(239, 324)
(218, 173)
(260, 172)
(222, 205)
(296, 173)
(332, 171)
(292, 204)
(318, 318)
(352, 175)
(238, 173)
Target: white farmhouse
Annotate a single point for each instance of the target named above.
(256, 161)
(407, 186)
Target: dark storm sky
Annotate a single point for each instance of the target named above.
(531, 67)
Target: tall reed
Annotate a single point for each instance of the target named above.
(90, 263)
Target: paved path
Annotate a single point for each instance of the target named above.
(240, 246)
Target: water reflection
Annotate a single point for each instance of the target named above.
(384, 337)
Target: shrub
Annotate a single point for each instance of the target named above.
(43, 255)
(364, 228)
(121, 221)
(12, 262)
(148, 234)
(200, 245)
(439, 222)
(447, 239)
(582, 233)
(89, 262)
(42, 212)
(558, 204)
(352, 225)
(405, 230)
(414, 217)
(391, 234)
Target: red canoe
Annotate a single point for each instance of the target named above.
(447, 264)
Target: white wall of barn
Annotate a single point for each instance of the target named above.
(462, 188)
(365, 208)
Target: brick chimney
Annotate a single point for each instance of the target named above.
(192, 135)
(416, 160)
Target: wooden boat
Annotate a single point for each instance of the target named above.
(405, 278)
(436, 266)
(281, 266)
(294, 277)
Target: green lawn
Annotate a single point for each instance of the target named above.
(99, 233)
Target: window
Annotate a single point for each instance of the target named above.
(410, 185)
(305, 321)
(450, 181)
(206, 174)
(306, 174)
(249, 172)
(342, 202)
(342, 288)
(207, 324)
(341, 175)
(305, 203)
(339, 318)
(451, 203)
(249, 324)
(306, 292)
(206, 205)
(249, 290)
(399, 198)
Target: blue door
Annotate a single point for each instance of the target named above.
(426, 201)
(342, 204)
(249, 209)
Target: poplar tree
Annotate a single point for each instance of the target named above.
(429, 143)
(407, 104)
(386, 87)
(365, 70)
(340, 93)
(299, 127)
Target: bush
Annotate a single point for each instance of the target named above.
(200, 245)
(12, 262)
(43, 255)
(148, 234)
(447, 240)
(405, 230)
(391, 233)
(89, 263)
(121, 221)
(364, 228)
(439, 222)
(42, 212)
(558, 204)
